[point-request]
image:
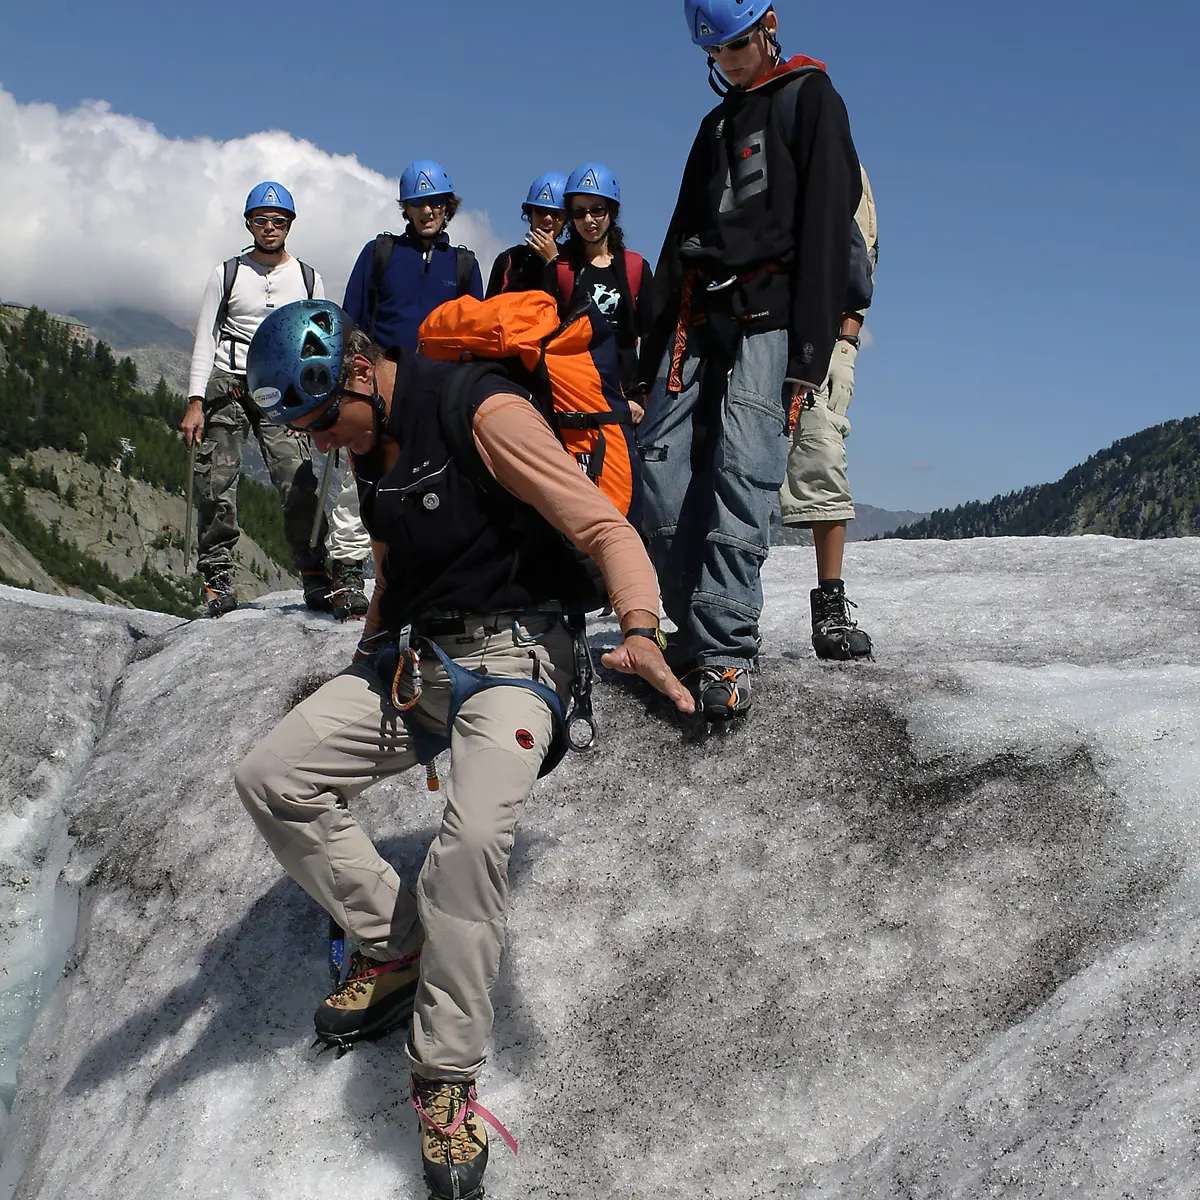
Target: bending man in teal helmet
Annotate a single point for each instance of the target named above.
(473, 505)
(751, 287)
(240, 294)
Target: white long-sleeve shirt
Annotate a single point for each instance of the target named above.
(257, 290)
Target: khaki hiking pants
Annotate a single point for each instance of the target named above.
(299, 781)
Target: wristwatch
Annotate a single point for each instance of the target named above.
(852, 338)
(655, 634)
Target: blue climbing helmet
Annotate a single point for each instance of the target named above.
(712, 22)
(548, 191)
(593, 179)
(424, 179)
(295, 359)
(270, 194)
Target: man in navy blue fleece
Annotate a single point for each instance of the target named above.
(399, 280)
(396, 283)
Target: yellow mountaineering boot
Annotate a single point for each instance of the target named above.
(454, 1143)
(375, 998)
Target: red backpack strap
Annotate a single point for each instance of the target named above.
(566, 282)
(635, 268)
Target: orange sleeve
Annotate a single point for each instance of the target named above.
(521, 451)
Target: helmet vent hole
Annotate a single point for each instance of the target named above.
(323, 321)
(316, 379)
(313, 347)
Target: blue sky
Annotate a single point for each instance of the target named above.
(1034, 167)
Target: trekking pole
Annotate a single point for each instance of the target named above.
(187, 520)
(322, 493)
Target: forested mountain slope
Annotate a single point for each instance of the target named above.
(93, 474)
(1144, 486)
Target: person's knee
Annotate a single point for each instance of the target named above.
(270, 789)
(251, 780)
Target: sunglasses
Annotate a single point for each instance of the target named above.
(329, 418)
(733, 46)
(597, 211)
(263, 222)
(434, 202)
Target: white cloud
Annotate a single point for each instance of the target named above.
(101, 209)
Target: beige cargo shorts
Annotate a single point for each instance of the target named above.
(817, 487)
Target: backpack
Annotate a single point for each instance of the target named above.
(635, 266)
(385, 243)
(230, 268)
(569, 366)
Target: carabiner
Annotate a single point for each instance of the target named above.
(410, 654)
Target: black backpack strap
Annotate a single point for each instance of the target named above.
(464, 270)
(589, 420)
(230, 269)
(385, 243)
(457, 417)
(310, 279)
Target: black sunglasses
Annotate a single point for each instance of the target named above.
(329, 418)
(597, 211)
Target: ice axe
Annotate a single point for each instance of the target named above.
(187, 521)
(322, 493)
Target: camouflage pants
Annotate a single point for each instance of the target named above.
(219, 465)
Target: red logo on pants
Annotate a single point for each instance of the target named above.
(524, 739)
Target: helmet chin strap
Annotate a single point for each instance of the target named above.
(717, 81)
(379, 406)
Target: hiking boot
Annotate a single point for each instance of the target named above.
(836, 634)
(219, 596)
(317, 589)
(454, 1143)
(348, 598)
(375, 998)
(721, 693)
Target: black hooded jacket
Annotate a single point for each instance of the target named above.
(764, 186)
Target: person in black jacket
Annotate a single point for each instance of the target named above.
(752, 283)
(530, 266)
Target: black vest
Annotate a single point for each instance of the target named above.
(456, 540)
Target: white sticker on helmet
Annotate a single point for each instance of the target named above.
(268, 397)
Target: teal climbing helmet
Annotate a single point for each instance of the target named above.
(294, 361)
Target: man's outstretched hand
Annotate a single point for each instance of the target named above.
(640, 656)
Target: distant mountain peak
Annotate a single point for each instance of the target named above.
(125, 328)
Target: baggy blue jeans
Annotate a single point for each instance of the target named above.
(715, 456)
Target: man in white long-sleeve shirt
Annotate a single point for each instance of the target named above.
(239, 296)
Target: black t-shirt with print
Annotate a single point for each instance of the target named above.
(601, 284)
